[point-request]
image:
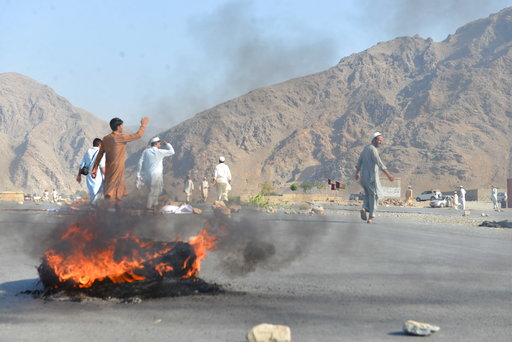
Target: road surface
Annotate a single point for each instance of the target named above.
(331, 278)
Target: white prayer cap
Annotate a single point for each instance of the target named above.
(222, 159)
(461, 186)
(155, 139)
(375, 135)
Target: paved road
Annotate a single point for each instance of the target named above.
(332, 278)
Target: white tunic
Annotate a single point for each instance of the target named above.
(462, 194)
(368, 165)
(93, 184)
(189, 186)
(494, 195)
(151, 165)
(222, 173)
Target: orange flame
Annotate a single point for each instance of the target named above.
(200, 243)
(84, 264)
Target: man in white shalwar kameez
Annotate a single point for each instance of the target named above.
(189, 187)
(494, 198)
(55, 196)
(367, 169)
(222, 177)
(46, 196)
(94, 185)
(462, 198)
(456, 202)
(151, 169)
(204, 189)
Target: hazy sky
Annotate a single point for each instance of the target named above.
(169, 60)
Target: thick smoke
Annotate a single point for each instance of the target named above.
(237, 55)
(254, 241)
(246, 242)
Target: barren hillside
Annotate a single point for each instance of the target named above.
(443, 107)
(42, 136)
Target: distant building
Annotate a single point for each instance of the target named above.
(391, 189)
(11, 196)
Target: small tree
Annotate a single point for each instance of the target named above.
(306, 186)
(293, 187)
(266, 188)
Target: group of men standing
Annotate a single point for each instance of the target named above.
(54, 198)
(105, 163)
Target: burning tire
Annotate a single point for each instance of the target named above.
(121, 267)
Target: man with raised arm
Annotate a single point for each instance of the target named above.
(151, 169)
(114, 147)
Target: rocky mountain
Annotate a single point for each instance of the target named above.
(444, 109)
(42, 137)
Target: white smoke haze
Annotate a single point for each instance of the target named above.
(236, 51)
(237, 54)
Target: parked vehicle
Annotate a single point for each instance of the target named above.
(429, 195)
(354, 197)
(439, 202)
(27, 197)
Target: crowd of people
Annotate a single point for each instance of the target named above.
(103, 165)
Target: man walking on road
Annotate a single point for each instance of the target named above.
(408, 196)
(494, 198)
(367, 169)
(94, 185)
(222, 177)
(204, 189)
(189, 187)
(151, 168)
(462, 198)
(114, 146)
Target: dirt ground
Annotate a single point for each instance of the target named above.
(331, 278)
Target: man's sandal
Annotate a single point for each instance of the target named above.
(363, 214)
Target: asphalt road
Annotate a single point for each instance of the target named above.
(331, 278)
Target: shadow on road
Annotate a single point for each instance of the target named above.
(17, 286)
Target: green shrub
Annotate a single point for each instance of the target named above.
(320, 185)
(266, 188)
(293, 187)
(259, 200)
(306, 186)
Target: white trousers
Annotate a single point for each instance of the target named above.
(222, 190)
(156, 187)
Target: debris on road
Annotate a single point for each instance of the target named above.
(496, 224)
(221, 209)
(172, 209)
(419, 329)
(318, 210)
(235, 208)
(269, 333)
